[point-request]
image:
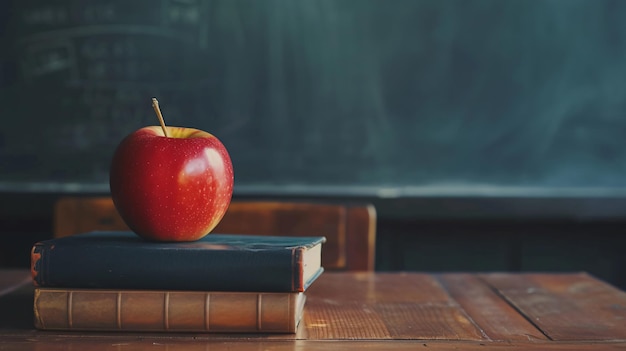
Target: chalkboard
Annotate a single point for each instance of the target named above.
(369, 93)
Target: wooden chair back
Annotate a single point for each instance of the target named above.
(350, 229)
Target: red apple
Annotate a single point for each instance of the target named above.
(171, 188)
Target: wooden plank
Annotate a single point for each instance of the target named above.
(566, 307)
(414, 309)
(360, 238)
(200, 343)
(384, 306)
(497, 319)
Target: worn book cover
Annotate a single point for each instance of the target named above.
(217, 262)
(167, 311)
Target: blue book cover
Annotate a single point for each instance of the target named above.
(217, 262)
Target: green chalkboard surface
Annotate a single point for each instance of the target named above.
(430, 94)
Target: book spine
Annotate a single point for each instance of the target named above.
(167, 311)
(37, 265)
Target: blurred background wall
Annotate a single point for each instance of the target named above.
(488, 133)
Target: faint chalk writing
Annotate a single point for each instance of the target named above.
(49, 58)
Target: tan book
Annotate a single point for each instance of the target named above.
(167, 311)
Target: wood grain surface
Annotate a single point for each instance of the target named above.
(496, 318)
(392, 311)
(566, 307)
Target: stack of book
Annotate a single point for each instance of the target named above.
(109, 281)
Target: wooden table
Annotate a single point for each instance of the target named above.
(383, 311)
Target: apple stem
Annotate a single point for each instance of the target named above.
(155, 106)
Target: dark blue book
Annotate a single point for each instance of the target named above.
(217, 262)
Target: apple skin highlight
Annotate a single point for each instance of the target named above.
(174, 188)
